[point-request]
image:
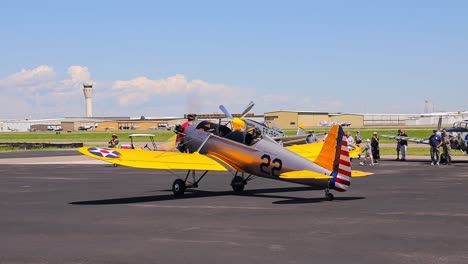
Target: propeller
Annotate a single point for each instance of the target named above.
(226, 112)
(237, 123)
(247, 109)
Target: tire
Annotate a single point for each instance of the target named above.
(238, 184)
(178, 187)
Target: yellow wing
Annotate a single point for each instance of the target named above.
(312, 150)
(308, 151)
(357, 173)
(153, 159)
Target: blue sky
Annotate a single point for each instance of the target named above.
(166, 58)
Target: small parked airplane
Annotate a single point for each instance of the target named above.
(458, 136)
(87, 127)
(247, 154)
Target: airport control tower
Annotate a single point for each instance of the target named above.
(88, 94)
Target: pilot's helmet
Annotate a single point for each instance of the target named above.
(257, 131)
(191, 116)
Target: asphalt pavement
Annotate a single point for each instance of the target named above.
(65, 209)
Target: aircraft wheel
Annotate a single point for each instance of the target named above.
(178, 187)
(238, 184)
(329, 196)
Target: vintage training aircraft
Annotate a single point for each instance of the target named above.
(244, 151)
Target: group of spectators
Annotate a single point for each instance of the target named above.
(436, 141)
(371, 149)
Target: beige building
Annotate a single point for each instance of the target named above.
(119, 125)
(293, 119)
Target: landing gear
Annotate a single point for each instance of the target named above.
(328, 195)
(238, 183)
(178, 187)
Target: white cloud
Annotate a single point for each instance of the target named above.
(28, 81)
(174, 84)
(78, 73)
(193, 95)
(40, 92)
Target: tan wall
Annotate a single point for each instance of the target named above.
(134, 125)
(107, 126)
(283, 120)
(68, 126)
(311, 119)
(355, 120)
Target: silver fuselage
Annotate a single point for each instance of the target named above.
(265, 158)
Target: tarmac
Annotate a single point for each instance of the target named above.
(61, 207)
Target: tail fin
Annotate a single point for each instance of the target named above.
(334, 156)
(439, 124)
(301, 130)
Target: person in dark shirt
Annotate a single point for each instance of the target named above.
(375, 147)
(446, 147)
(398, 145)
(403, 145)
(114, 142)
(180, 130)
(435, 141)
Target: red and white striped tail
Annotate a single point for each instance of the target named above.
(343, 177)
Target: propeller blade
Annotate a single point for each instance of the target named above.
(226, 112)
(247, 109)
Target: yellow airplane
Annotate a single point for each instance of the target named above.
(247, 154)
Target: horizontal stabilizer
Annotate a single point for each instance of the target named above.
(308, 151)
(312, 150)
(303, 174)
(162, 160)
(411, 139)
(356, 173)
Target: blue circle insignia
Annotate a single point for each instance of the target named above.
(103, 152)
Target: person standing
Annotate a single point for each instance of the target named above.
(368, 155)
(311, 138)
(435, 141)
(358, 140)
(180, 130)
(398, 145)
(403, 144)
(114, 142)
(446, 147)
(325, 137)
(375, 147)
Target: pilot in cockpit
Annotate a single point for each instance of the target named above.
(253, 136)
